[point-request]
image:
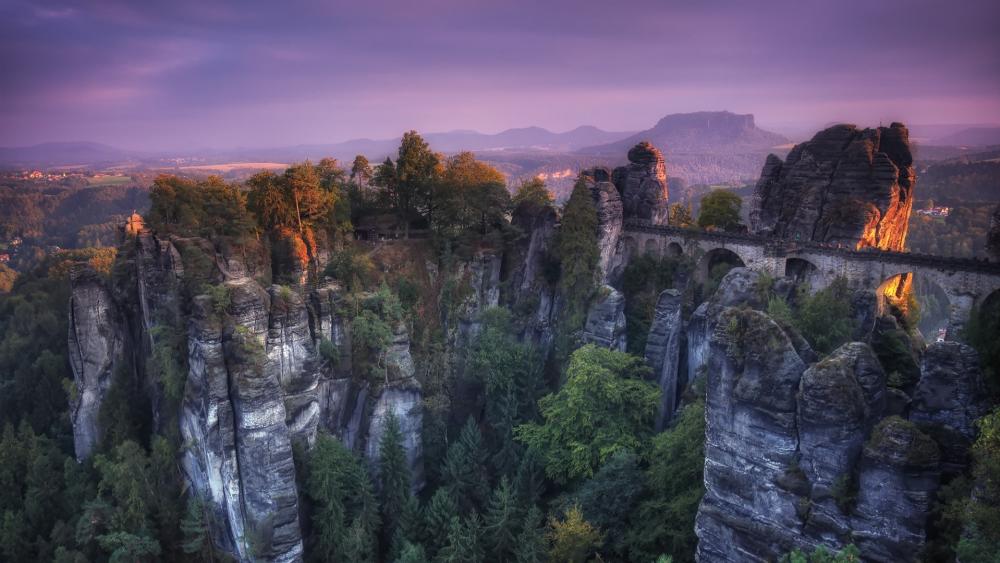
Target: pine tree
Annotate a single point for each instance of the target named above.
(464, 541)
(412, 553)
(394, 477)
(531, 541)
(441, 509)
(194, 532)
(530, 480)
(500, 529)
(464, 470)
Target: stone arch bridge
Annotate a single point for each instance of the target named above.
(967, 282)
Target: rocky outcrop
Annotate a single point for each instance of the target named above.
(800, 457)
(608, 203)
(738, 287)
(839, 401)
(752, 506)
(605, 324)
(529, 272)
(951, 391)
(399, 396)
(846, 185)
(482, 274)
(664, 345)
(643, 185)
(96, 346)
(896, 484)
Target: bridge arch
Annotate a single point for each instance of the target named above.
(674, 249)
(803, 271)
(716, 262)
(651, 247)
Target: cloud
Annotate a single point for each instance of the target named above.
(313, 70)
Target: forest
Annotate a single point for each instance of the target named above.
(528, 457)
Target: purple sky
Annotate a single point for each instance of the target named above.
(145, 74)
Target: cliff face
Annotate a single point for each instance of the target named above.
(663, 353)
(527, 270)
(801, 454)
(96, 346)
(846, 185)
(255, 380)
(608, 203)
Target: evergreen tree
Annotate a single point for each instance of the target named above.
(464, 471)
(344, 507)
(412, 553)
(437, 518)
(394, 477)
(361, 171)
(531, 546)
(529, 483)
(500, 526)
(464, 541)
(195, 541)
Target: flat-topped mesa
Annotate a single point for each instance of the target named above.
(846, 185)
(643, 184)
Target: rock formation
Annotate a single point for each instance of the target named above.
(664, 346)
(801, 455)
(608, 203)
(605, 325)
(643, 185)
(846, 186)
(255, 379)
(96, 346)
(529, 273)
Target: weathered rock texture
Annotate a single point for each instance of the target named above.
(798, 456)
(951, 392)
(605, 324)
(643, 185)
(96, 345)
(608, 203)
(530, 274)
(256, 380)
(846, 185)
(663, 352)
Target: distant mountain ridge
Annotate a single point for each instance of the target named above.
(707, 132)
(63, 154)
(972, 136)
(523, 138)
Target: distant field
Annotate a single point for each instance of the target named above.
(103, 180)
(230, 166)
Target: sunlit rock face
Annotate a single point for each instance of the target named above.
(643, 185)
(846, 186)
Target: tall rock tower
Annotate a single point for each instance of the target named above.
(846, 185)
(643, 185)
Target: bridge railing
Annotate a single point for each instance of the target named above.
(781, 246)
